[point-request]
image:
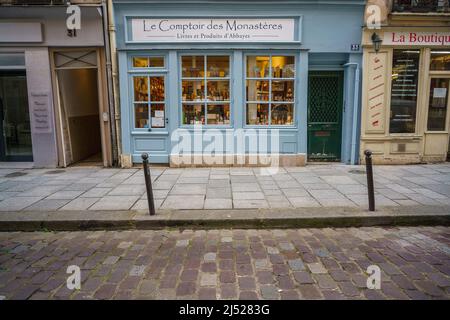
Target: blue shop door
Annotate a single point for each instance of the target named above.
(151, 132)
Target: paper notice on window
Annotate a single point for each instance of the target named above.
(159, 114)
(439, 92)
(157, 122)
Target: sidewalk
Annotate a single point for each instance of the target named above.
(315, 191)
(91, 188)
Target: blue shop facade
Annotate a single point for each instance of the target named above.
(228, 73)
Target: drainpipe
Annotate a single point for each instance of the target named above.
(109, 84)
(113, 91)
(355, 113)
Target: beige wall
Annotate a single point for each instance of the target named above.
(421, 146)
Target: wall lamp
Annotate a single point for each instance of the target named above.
(376, 40)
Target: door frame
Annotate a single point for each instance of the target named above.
(340, 74)
(3, 156)
(149, 135)
(105, 126)
(428, 134)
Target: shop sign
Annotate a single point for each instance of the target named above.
(40, 112)
(213, 30)
(417, 38)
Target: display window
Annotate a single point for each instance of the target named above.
(440, 60)
(205, 90)
(405, 80)
(270, 90)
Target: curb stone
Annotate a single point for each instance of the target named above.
(338, 217)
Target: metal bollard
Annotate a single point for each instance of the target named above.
(148, 184)
(369, 172)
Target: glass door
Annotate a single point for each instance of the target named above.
(437, 104)
(15, 140)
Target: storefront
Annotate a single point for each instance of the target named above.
(199, 79)
(53, 100)
(405, 92)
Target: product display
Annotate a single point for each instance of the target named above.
(155, 103)
(282, 114)
(193, 114)
(277, 87)
(204, 92)
(157, 89)
(257, 114)
(141, 115)
(405, 78)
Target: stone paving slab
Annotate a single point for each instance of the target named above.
(241, 264)
(324, 185)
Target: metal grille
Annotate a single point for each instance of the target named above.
(421, 6)
(76, 59)
(33, 2)
(324, 95)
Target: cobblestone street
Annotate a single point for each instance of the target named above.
(224, 264)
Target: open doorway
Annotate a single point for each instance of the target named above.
(79, 103)
(82, 110)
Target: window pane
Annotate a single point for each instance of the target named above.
(218, 114)
(437, 107)
(257, 67)
(193, 114)
(193, 90)
(140, 88)
(141, 115)
(440, 60)
(140, 62)
(257, 114)
(218, 90)
(156, 62)
(283, 66)
(218, 66)
(193, 66)
(12, 59)
(157, 88)
(282, 114)
(405, 75)
(158, 115)
(283, 90)
(257, 90)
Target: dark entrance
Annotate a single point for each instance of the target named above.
(325, 115)
(15, 142)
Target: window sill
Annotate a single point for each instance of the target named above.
(147, 133)
(205, 127)
(268, 127)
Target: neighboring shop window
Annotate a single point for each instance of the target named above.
(440, 60)
(205, 87)
(437, 105)
(270, 87)
(405, 77)
(149, 101)
(148, 62)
